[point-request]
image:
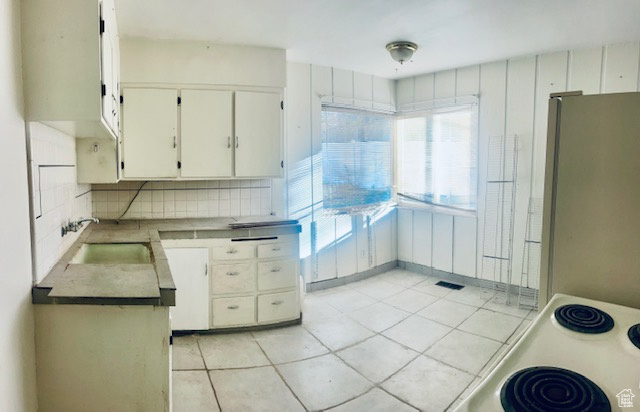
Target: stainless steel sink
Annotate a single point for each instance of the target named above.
(103, 253)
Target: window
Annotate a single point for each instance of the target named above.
(356, 159)
(437, 160)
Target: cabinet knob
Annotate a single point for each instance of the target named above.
(231, 252)
(174, 142)
(275, 249)
(237, 142)
(233, 307)
(232, 273)
(275, 270)
(228, 142)
(276, 302)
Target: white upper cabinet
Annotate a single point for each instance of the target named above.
(222, 134)
(258, 121)
(70, 52)
(150, 139)
(206, 133)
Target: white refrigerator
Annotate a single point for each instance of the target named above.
(591, 215)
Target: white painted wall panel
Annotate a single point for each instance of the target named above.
(445, 84)
(442, 242)
(492, 113)
(467, 80)
(346, 246)
(405, 235)
(321, 77)
(585, 70)
(621, 68)
(552, 78)
(365, 244)
(464, 245)
(342, 86)
(422, 237)
(382, 231)
(326, 235)
(383, 93)
(519, 121)
(363, 90)
(405, 93)
(424, 88)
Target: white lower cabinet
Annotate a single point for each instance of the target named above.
(252, 281)
(277, 307)
(189, 268)
(236, 311)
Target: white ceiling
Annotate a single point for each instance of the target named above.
(352, 34)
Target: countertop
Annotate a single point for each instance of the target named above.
(135, 284)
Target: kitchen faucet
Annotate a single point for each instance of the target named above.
(75, 226)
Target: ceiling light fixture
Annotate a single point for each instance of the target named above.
(401, 51)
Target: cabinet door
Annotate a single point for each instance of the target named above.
(150, 118)
(258, 142)
(189, 268)
(206, 133)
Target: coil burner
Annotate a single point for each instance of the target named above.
(549, 389)
(583, 319)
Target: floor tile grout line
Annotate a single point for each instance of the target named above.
(504, 346)
(215, 394)
(279, 374)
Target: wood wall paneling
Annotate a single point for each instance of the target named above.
(585, 70)
(519, 121)
(405, 235)
(442, 257)
(422, 237)
(621, 68)
(464, 245)
(424, 88)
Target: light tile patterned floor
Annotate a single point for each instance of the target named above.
(393, 342)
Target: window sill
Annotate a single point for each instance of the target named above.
(442, 210)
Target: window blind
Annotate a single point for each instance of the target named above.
(357, 159)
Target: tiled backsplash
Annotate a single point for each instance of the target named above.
(56, 196)
(166, 200)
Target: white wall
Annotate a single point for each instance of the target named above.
(193, 62)
(169, 200)
(17, 344)
(513, 96)
(57, 198)
(344, 245)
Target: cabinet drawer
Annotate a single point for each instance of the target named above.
(273, 250)
(277, 274)
(277, 307)
(233, 252)
(239, 277)
(238, 311)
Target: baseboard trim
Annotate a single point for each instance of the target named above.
(461, 279)
(332, 283)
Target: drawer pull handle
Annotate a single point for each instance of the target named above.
(231, 252)
(275, 249)
(233, 307)
(277, 302)
(275, 270)
(232, 273)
